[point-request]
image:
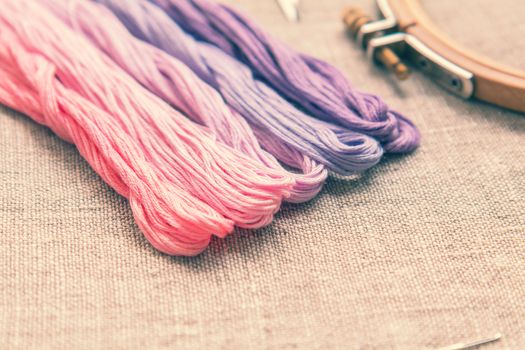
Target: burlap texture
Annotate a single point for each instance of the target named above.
(420, 252)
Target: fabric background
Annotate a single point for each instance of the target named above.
(421, 252)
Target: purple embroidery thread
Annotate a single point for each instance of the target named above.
(342, 150)
(319, 88)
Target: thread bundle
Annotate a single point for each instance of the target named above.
(183, 186)
(71, 65)
(315, 85)
(343, 151)
(177, 84)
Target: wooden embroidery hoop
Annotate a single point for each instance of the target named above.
(405, 30)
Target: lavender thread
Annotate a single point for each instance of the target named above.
(316, 86)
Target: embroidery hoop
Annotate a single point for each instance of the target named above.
(405, 30)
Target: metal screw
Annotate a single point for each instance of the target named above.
(354, 18)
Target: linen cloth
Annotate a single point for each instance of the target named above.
(423, 251)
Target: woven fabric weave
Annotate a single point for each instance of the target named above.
(423, 251)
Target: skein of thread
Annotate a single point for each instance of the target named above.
(173, 81)
(341, 150)
(182, 153)
(173, 220)
(315, 85)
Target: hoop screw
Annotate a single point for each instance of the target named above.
(354, 18)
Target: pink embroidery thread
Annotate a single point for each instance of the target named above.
(183, 186)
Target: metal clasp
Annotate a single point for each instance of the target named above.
(377, 36)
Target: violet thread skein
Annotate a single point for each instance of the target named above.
(315, 85)
(183, 186)
(341, 150)
(177, 84)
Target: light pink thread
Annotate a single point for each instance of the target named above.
(182, 185)
(177, 84)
